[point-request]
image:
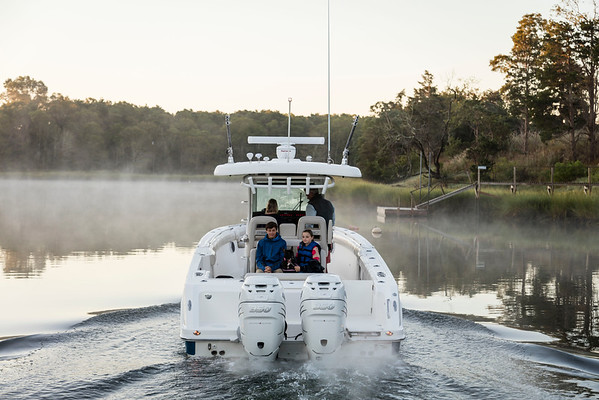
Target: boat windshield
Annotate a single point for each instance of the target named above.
(294, 200)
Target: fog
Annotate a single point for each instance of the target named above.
(42, 219)
(538, 276)
(59, 217)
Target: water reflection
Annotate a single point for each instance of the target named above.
(544, 278)
(43, 221)
(19, 264)
(533, 277)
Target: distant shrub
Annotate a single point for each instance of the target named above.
(569, 171)
(503, 170)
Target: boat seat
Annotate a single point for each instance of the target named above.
(319, 228)
(287, 230)
(256, 229)
(252, 258)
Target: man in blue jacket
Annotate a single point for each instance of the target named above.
(270, 251)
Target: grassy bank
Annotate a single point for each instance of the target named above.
(378, 194)
(529, 203)
(535, 203)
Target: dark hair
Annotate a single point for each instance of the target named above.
(309, 232)
(271, 224)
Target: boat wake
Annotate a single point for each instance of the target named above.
(136, 353)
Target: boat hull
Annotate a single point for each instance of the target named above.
(370, 323)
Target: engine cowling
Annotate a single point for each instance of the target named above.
(262, 316)
(323, 312)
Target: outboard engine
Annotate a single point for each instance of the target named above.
(262, 316)
(323, 311)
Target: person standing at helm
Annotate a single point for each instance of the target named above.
(319, 206)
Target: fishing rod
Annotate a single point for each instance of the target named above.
(230, 148)
(329, 159)
(351, 133)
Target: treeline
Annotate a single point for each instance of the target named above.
(544, 114)
(38, 132)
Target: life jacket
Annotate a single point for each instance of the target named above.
(304, 253)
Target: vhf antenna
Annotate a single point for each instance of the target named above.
(329, 159)
(351, 133)
(289, 122)
(230, 148)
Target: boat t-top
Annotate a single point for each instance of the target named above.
(228, 310)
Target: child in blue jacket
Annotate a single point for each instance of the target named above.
(270, 250)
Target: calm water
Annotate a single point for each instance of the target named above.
(70, 249)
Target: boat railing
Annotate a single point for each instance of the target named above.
(254, 182)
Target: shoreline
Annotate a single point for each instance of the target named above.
(531, 203)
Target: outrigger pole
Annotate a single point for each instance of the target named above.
(230, 148)
(289, 122)
(289, 126)
(329, 159)
(351, 133)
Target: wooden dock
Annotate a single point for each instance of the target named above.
(420, 210)
(386, 212)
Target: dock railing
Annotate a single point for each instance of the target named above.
(549, 185)
(429, 201)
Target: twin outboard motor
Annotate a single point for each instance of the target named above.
(262, 316)
(323, 312)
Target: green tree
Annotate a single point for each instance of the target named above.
(483, 124)
(586, 52)
(24, 89)
(561, 74)
(385, 142)
(521, 68)
(429, 121)
(399, 132)
(16, 138)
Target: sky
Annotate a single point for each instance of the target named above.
(231, 55)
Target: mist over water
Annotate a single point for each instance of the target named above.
(68, 248)
(533, 276)
(49, 219)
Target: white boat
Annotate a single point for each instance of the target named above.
(228, 310)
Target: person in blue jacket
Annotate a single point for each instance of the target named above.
(270, 250)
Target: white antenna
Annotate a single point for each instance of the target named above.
(289, 133)
(289, 122)
(329, 159)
